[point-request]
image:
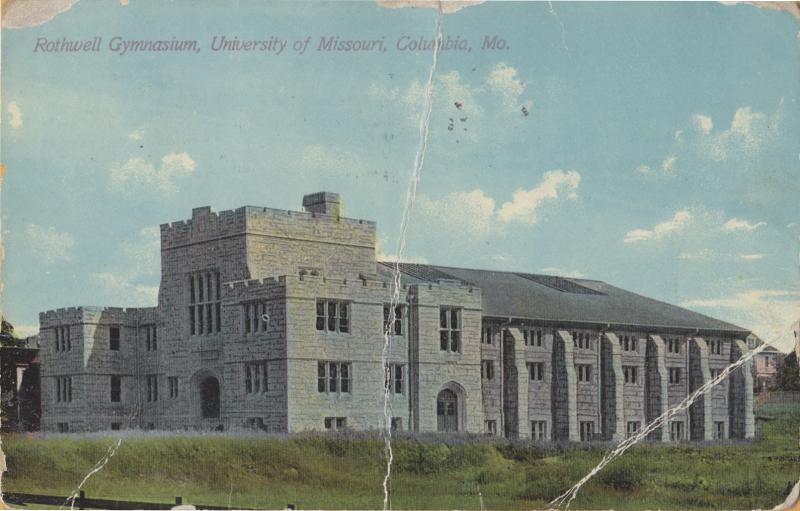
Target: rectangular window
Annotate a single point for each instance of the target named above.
(256, 380)
(632, 428)
(674, 345)
(152, 388)
(450, 329)
(631, 374)
(581, 340)
(532, 337)
(205, 311)
(719, 430)
(715, 373)
(487, 370)
(116, 426)
(536, 371)
(587, 431)
(116, 388)
(173, 387)
(539, 430)
(486, 337)
(491, 427)
(113, 338)
(584, 372)
(333, 377)
(674, 375)
(716, 347)
(333, 316)
(335, 423)
(629, 343)
(63, 427)
(393, 326)
(397, 424)
(63, 389)
(676, 431)
(395, 378)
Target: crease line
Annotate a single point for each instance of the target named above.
(419, 161)
(567, 497)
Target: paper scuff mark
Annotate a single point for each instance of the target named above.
(31, 13)
(792, 8)
(444, 6)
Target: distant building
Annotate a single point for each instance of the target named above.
(275, 320)
(766, 367)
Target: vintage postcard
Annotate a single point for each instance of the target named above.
(400, 254)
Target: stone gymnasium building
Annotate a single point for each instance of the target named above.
(273, 320)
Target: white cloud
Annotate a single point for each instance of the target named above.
(769, 313)
(380, 255)
(675, 224)
(525, 203)
(735, 224)
(132, 280)
(476, 213)
(470, 211)
(706, 254)
(503, 80)
(136, 134)
(23, 330)
(703, 123)
(559, 272)
(644, 169)
(129, 292)
(668, 165)
(748, 133)
(326, 160)
(50, 245)
(14, 115)
(139, 174)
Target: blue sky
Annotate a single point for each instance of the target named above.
(660, 151)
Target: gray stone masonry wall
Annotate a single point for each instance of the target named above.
(540, 392)
(612, 389)
(459, 372)
(700, 411)
(362, 347)
(742, 420)
(521, 372)
(564, 393)
(656, 385)
(588, 393)
(491, 390)
(267, 345)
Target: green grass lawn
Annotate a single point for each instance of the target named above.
(339, 472)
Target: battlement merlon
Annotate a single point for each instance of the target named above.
(321, 220)
(130, 316)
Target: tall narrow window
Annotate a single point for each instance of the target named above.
(450, 329)
(536, 371)
(393, 326)
(205, 309)
(116, 388)
(113, 338)
(394, 378)
(584, 372)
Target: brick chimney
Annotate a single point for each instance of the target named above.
(325, 203)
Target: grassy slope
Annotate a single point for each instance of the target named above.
(320, 472)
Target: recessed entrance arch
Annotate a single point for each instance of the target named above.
(209, 398)
(450, 409)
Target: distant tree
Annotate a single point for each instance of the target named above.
(7, 336)
(789, 375)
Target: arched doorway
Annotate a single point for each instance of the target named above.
(209, 398)
(447, 411)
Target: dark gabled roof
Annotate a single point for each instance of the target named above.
(549, 298)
